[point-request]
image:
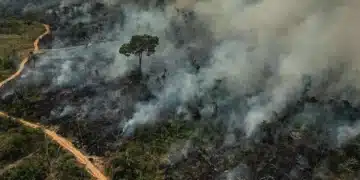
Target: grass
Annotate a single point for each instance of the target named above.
(27, 154)
(16, 41)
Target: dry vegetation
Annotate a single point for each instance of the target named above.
(16, 41)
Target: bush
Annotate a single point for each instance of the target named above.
(29, 170)
(142, 157)
(31, 156)
(5, 63)
(67, 169)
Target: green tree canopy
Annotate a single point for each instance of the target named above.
(138, 45)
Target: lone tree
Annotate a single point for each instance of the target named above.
(138, 45)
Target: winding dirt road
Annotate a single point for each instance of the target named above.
(26, 59)
(80, 157)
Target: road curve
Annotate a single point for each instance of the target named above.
(80, 157)
(26, 59)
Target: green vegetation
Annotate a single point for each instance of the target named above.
(142, 157)
(16, 41)
(274, 156)
(26, 154)
(138, 45)
(276, 152)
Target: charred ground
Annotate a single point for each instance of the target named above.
(295, 143)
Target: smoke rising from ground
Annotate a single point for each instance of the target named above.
(261, 50)
(291, 38)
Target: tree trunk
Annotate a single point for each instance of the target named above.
(140, 63)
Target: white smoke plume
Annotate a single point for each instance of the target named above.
(294, 38)
(261, 48)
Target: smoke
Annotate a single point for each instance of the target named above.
(293, 38)
(259, 51)
(347, 132)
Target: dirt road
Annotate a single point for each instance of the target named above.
(26, 59)
(81, 158)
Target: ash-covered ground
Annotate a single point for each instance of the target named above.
(272, 84)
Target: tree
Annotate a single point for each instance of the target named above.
(138, 45)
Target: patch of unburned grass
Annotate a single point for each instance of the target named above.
(16, 41)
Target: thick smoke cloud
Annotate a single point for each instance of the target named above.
(291, 38)
(261, 50)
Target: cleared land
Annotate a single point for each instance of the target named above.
(16, 41)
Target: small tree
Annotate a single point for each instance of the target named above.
(138, 45)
